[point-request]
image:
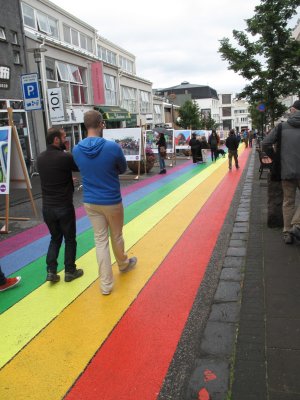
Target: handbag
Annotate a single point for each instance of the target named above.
(163, 151)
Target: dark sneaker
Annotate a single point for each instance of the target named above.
(52, 277)
(10, 283)
(132, 262)
(296, 231)
(70, 276)
(288, 238)
(164, 171)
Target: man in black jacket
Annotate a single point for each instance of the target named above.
(55, 167)
(232, 143)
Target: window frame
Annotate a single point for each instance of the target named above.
(3, 36)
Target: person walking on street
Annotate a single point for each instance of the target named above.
(8, 283)
(213, 141)
(246, 138)
(162, 151)
(195, 145)
(100, 162)
(288, 138)
(232, 143)
(55, 167)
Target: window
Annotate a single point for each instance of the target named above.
(110, 90)
(129, 100)
(28, 16)
(43, 22)
(226, 111)
(67, 34)
(78, 39)
(40, 21)
(70, 78)
(17, 59)
(2, 34)
(145, 102)
(50, 68)
(226, 98)
(74, 37)
(125, 64)
(106, 55)
(14, 37)
(53, 27)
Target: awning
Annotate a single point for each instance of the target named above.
(114, 113)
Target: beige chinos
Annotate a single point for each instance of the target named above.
(106, 218)
(290, 216)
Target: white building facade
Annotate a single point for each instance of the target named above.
(90, 71)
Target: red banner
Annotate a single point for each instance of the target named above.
(98, 83)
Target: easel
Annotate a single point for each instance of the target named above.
(15, 139)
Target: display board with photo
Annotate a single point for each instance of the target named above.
(129, 139)
(182, 138)
(151, 137)
(5, 153)
(202, 132)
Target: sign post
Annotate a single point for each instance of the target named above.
(55, 103)
(262, 108)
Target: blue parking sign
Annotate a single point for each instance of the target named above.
(31, 92)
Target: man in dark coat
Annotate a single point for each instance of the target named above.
(232, 143)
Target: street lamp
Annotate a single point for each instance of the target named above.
(37, 55)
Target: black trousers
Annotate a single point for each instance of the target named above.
(61, 222)
(2, 278)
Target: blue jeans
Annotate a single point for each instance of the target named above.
(162, 164)
(61, 222)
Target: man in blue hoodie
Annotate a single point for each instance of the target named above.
(100, 162)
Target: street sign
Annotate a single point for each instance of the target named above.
(261, 107)
(55, 102)
(31, 92)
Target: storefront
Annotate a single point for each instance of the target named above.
(114, 116)
(21, 124)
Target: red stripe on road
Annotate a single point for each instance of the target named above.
(134, 360)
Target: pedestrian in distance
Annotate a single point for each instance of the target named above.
(204, 149)
(286, 138)
(195, 145)
(8, 283)
(162, 152)
(55, 167)
(100, 162)
(213, 142)
(232, 143)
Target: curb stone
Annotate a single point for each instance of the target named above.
(219, 337)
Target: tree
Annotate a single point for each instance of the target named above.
(207, 122)
(189, 115)
(270, 62)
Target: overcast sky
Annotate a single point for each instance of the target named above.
(173, 41)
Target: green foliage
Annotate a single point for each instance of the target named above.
(189, 114)
(270, 62)
(207, 122)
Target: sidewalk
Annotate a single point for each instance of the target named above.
(268, 345)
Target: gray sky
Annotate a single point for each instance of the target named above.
(172, 41)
